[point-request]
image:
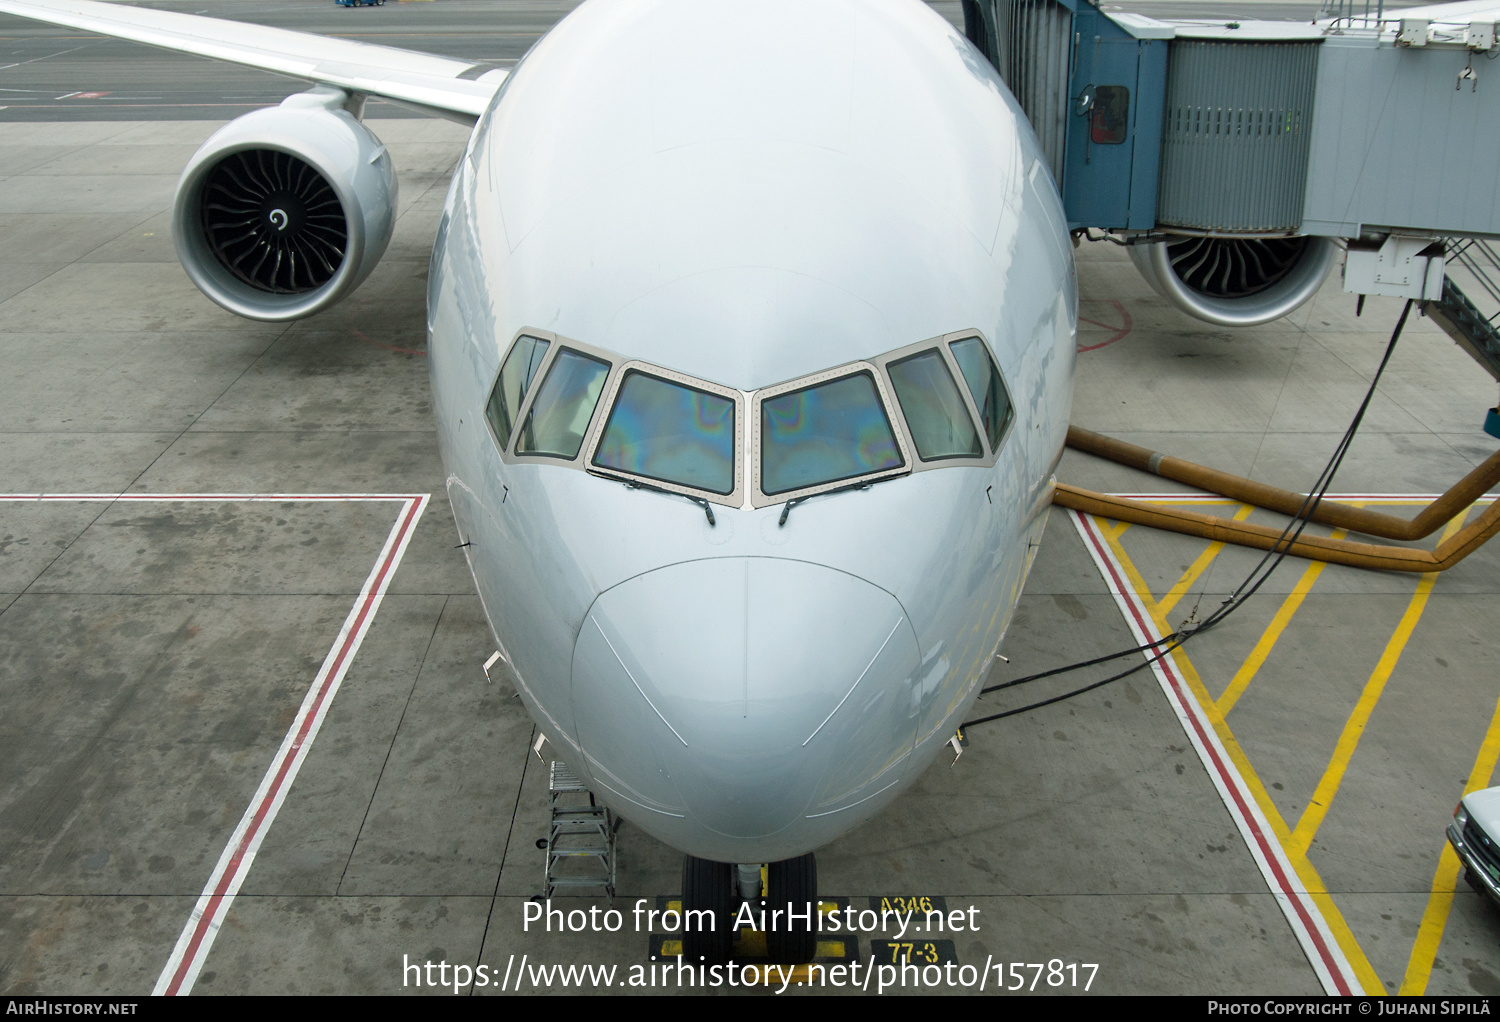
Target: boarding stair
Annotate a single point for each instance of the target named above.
(1469, 310)
(580, 836)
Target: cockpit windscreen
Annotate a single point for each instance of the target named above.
(670, 432)
(823, 433)
(985, 385)
(515, 380)
(934, 408)
(559, 417)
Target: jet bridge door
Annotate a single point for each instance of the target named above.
(1094, 87)
(1114, 126)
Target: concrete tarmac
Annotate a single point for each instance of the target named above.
(155, 650)
(50, 73)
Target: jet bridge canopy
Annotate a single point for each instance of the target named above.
(1341, 127)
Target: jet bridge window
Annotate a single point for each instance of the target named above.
(515, 380)
(1111, 115)
(936, 415)
(825, 433)
(559, 416)
(670, 432)
(986, 386)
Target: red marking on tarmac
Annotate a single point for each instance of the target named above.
(250, 497)
(143, 106)
(1231, 781)
(360, 334)
(265, 810)
(1120, 329)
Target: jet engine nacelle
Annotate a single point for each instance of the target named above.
(284, 211)
(1235, 281)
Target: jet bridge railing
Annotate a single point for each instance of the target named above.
(1469, 309)
(1474, 266)
(1350, 11)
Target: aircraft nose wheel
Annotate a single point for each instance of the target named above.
(792, 882)
(707, 886)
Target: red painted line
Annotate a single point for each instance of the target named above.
(142, 106)
(1229, 777)
(387, 347)
(231, 874)
(1122, 330)
(252, 498)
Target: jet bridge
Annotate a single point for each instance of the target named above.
(1235, 158)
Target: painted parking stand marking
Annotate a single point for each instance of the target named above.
(1196, 569)
(1117, 330)
(1359, 718)
(197, 937)
(1445, 879)
(1302, 912)
(1267, 641)
(1308, 906)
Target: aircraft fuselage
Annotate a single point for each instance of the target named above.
(747, 194)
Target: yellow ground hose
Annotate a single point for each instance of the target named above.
(1318, 548)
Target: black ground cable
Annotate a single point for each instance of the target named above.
(1241, 594)
(1081, 664)
(1314, 498)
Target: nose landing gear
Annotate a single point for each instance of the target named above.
(707, 887)
(792, 888)
(788, 910)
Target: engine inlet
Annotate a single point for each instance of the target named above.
(1234, 267)
(273, 221)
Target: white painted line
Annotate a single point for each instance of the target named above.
(197, 937)
(202, 927)
(1342, 498)
(1301, 911)
(253, 498)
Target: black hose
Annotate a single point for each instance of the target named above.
(1243, 592)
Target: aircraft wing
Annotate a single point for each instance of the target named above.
(457, 89)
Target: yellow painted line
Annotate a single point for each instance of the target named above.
(1445, 880)
(752, 944)
(1312, 881)
(1112, 528)
(1354, 727)
(1175, 498)
(1197, 568)
(1267, 640)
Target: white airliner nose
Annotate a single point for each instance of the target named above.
(706, 694)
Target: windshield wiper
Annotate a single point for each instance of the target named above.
(861, 484)
(636, 484)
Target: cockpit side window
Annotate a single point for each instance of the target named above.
(986, 386)
(825, 433)
(559, 416)
(670, 432)
(936, 415)
(515, 380)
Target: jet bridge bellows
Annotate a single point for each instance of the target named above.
(1235, 135)
(1356, 126)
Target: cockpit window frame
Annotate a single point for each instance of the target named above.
(611, 392)
(940, 345)
(557, 343)
(1010, 419)
(893, 416)
(748, 451)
